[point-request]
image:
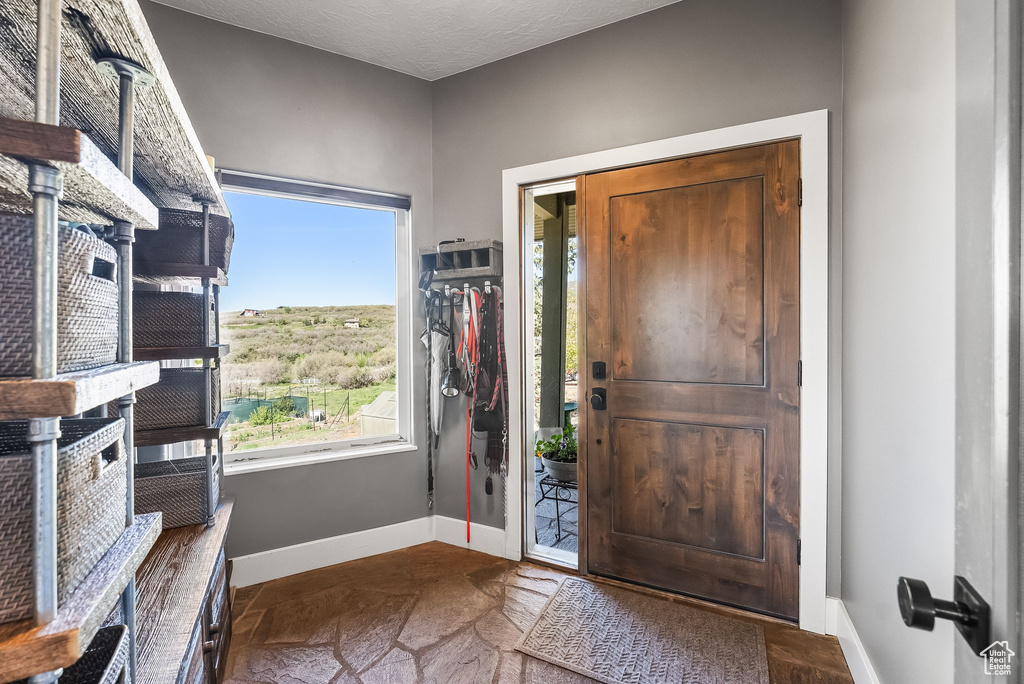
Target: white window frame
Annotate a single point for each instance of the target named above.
(271, 458)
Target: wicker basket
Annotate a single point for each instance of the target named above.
(86, 299)
(91, 490)
(180, 239)
(176, 401)
(170, 319)
(177, 489)
(103, 661)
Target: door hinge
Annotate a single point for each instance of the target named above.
(799, 373)
(799, 192)
(798, 552)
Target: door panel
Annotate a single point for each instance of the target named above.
(690, 484)
(702, 244)
(692, 299)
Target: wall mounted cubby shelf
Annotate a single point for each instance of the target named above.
(466, 260)
(116, 152)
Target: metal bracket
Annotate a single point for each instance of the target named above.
(123, 232)
(43, 429)
(116, 66)
(44, 179)
(976, 628)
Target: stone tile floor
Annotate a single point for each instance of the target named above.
(437, 613)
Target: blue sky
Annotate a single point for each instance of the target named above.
(296, 253)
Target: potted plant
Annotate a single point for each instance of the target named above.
(558, 453)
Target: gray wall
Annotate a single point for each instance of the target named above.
(688, 67)
(899, 324)
(267, 105)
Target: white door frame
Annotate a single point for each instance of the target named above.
(812, 130)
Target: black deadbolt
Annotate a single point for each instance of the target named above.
(599, 370)
(599, 398)
(967, 610)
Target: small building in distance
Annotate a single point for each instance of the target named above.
(250, 312)
(351, 322)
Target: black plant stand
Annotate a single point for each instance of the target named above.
(559, 492)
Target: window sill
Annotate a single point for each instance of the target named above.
(313, 457)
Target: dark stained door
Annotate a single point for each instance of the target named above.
(692, 302)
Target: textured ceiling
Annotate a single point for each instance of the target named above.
(425, 38)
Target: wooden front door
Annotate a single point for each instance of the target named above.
(692, 305)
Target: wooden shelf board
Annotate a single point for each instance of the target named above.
(71, 393)
(216, 351)
(170, 165)
(167, 272)
(183, 434)
(95, 190)
(26, 650)
(172, 586)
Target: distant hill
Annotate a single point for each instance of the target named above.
(287, 344)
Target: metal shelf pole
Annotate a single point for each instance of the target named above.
(130, 75)
(45, 185)
(210, 308)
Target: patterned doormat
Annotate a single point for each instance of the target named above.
(617, 636)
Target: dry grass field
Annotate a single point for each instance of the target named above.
(307, 353)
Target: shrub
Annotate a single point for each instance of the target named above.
(383, 357)
(354, 378)
(285, 406)
(382, 373)
(265, 415)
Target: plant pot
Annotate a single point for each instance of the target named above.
(560, 470)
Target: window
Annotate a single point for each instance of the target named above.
(317, 314)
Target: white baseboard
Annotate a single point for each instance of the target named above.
(482, 538)
(320, 553)
(291, 560)
(839, 624)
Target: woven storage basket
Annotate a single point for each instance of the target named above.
(176, 401)
(180, 239)
(103, 661)
(86, 299)
(177, 489)
(170, 319)
(91, 490)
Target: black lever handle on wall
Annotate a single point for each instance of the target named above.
(599, 398)
(968, 611)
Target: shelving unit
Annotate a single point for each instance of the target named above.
(212, 432)
(216, 351)
(69, 394)
(27, 649)
(59, 50)
(171, 168)
(166, 273)
(95, 190)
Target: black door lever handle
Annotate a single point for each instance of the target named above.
(598, 398)
(968, 610)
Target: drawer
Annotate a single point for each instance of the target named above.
(219, 592)
(220, 659)
(217, 614)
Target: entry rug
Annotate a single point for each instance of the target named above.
(617, 636)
